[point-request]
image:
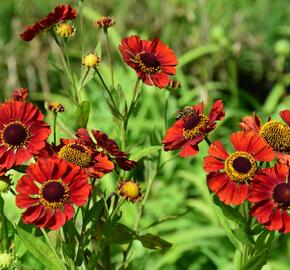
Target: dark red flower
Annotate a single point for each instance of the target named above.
(275, 133)
(190, 128)
(229, 174)
(95, 164)
(60, 13)
(152, 60)
(270, 194)
(19, 94)
(22, 132)
(108, 146)
(49, 189)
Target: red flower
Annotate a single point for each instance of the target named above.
(49, 189)
(270, 194)
(229, 175)
(109, 146)
(275, 133)
(152, 60)
(22, 132)
(191, 127)
(60, 13)
(94, 163)
(19, 94)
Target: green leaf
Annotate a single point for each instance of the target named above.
(40, 250)
(244, 236)
(121, 234)
(153, 242)
(82, 114)
(231, 213)
(20, 168)
(144, 151)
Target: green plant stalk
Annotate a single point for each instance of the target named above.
(54, 127)
(109, 56)
(81, 25)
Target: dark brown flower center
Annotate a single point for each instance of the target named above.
(240, 166)
(281, 195)
(53, 194)
(277, 135)
(15, 135)
(75, 153)
(147, 62)
(194, 124)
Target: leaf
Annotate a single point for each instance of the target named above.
(244, 236)
(153, 242)
(143, 152)
(20, 168)
(231, 213)
(121, 234)
(40, 250)
(82, 114)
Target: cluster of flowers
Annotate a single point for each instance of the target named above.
(60, 176)
(237, 177)
(234, 178)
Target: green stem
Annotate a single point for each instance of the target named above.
(81, 25)
(108, 55)
(207, 140)
(48, 241)
(54, 127)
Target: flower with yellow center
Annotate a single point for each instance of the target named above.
(130, 190)
(91, 60)
(277, 135)
(75, 153)
(65, 30)
(194, 124)
(240, 166)
(6, 260)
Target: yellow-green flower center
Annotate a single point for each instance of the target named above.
(75, 153)
(276, 135)
(65, 29)
(91, 60)
(240, 166)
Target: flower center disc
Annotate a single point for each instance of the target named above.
(281, 195)
(276, 135)
(53, 194)
(15, 135)
(240, 166)
(193, 125)
(75, 153)
(147, 62)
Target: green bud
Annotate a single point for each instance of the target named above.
(5, 260)
(5, 183)
(282, 47)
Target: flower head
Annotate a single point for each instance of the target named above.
(77, 152)
(65, 30)
(108, 146)
(152, 60)
(22, 133)
(104, 22)
(130, 190)
(275, 133)
(6, 260)
(270, 194)
(190, 128)
(91, 60)
(49, 189)
(230, 174)
(19, 94)
(55, 107)
(5, 183)
(61, 13)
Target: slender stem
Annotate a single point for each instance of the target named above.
(54, 127)
(12, 191)
(48, 241)
(81, 25)
(207, 140)
(109, 56)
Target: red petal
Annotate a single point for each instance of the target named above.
(26, 186)
(24, 201)
(251, 123)
(32, 214)
(217, 150)
(69, 211)
(212, 164)
(216, 112)
(57, 220)
(189, 150)
(275, 221)
(262, 211)
(285, 115)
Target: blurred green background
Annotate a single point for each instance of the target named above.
(237, 51)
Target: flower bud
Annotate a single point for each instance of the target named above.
(91, 60)
(5, 260)
(130, 190)
(65, 30)
(55, 107)
(104, 22)
(5, 183)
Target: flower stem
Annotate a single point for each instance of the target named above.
(207, 140)
(54, 127)
(109, 56)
